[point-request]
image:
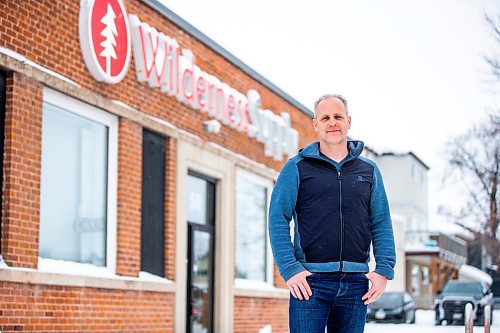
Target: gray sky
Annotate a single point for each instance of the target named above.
(412, 71)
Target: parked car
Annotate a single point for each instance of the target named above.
(495, 288)
(451, 301)
(396, 307)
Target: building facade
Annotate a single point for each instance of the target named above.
(406, 182)
(405, 179)
(139, 157)
(429, 266)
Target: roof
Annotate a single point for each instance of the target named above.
(410, 153)
(420, 248)
(170, 15)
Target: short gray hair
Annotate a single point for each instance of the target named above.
(327, 96)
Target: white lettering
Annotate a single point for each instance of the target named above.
(160, 62)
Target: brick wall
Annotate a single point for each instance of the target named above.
(21, 172)
(170, 205)
(48, 35)
(44, 308)
(46, 32)
(251, 314)
(278, 280)
(128, 261)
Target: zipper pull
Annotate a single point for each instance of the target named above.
(338, 175)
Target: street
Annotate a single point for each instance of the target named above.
(425, 324)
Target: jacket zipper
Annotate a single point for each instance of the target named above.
(339, 177)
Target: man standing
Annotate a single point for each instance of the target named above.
(339, 207)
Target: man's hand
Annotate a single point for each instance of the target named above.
(379, 283)
(298, 285)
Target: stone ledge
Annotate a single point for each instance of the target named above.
(55, 279)
(277, 293)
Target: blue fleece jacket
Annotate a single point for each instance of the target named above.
(339, 210)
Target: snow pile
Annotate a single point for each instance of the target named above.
(425, 323)
(471, 273)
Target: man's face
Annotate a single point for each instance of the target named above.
(331, 121)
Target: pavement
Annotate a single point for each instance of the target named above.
(425, 324)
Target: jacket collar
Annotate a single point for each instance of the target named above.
(354, 147)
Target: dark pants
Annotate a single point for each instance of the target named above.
(335, 303)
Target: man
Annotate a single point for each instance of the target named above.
(339, 207)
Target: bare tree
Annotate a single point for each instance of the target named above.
(494, 59)
(475, 158)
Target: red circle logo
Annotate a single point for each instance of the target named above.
(105, 39)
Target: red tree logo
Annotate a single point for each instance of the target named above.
(105, 39)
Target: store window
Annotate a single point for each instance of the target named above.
(78, 184)
(253, 257)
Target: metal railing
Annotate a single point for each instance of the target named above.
(487, 318)
(469, 318)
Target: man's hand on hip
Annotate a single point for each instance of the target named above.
(379, 283)
(298, 285)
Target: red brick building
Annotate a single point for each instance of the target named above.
(138, 161)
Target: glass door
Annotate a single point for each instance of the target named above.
(201, 222)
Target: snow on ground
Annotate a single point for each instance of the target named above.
(425, 323)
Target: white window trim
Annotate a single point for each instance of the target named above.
(249, 283)
(75, 106)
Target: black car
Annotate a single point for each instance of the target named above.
(450, 303)
(394, 307)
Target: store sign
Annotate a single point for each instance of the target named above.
(161, 63)
(105, 39)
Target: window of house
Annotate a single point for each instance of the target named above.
(425, 275)
(415, 281)
(78, 184)
(253, 256)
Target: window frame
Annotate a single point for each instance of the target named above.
(269, 274)
(72, 105)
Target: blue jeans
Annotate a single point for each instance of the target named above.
(335, 303)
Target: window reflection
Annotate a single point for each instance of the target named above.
(251, 217)
(73, 187)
